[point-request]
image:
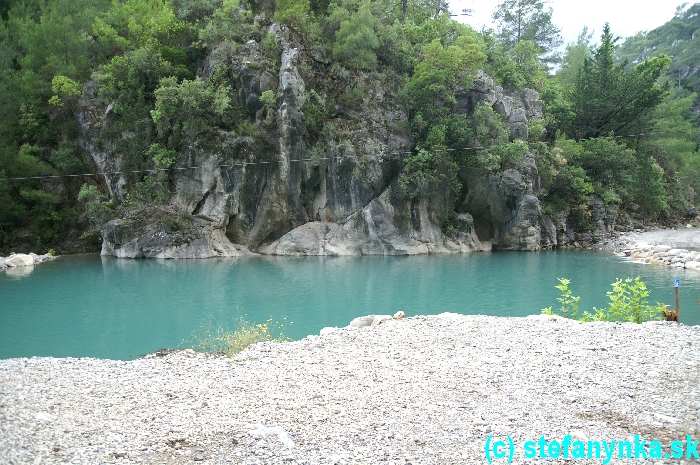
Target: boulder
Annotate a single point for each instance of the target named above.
(20, 259)
(368, 320)
(159, 234)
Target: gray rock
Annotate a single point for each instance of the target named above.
(330, 196)
(163, 235)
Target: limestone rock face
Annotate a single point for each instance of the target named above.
(94, 121)
(278, 190)
(603, 218)
(507, 210)
(516, 108)
(374, 230)
(170, 236)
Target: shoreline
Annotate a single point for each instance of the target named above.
(674, 248)
(426, 389)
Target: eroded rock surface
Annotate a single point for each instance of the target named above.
(286, 192)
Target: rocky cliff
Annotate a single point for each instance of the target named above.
(331, 194)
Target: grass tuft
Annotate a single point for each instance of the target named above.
(232, 342)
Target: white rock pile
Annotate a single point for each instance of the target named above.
(21, 260)
(660, 254)
(422, 390)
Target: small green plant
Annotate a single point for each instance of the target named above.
(232, 342)
(568, 302)
(268, 98)
(628, 301)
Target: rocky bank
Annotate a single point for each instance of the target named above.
(677, 248)
(289, 191)
(423, 390)
(21, 263)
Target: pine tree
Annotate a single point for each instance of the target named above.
(356, 41)
(612, 99)
(520, 20)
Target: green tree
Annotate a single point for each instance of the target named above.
(187, 110)
(574, 58)
(610, 99)
(295, 13)
(519, 20)
(356, 41)
(443, 68)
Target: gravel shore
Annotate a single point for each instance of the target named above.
(422, 390)
(677, 248)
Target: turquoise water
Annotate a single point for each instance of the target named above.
(122, 309)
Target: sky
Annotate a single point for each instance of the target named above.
(626, 17)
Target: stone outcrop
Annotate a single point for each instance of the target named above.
(282, 192)
(373, 231)
(23, 262)
(507, 210)
(94, 122)
(167, 235)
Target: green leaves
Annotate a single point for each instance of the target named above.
(128, 81)
(628, 301)
(527, 20)
(64, 88)
(429, 173)
(356, 41)
(441, 70)
(295, 13)
(187, 110)
(610, 99)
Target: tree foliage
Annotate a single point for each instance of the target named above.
(356, 41)
(527, 20)
(610, 98)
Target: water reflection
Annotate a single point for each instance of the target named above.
(19, 271)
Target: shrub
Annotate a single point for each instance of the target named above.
(356, 41)
(268, 98)
(235, 341)
(98, 210)
(569, 304)
(163, 158)
(511, 154)
(628, 301)
(186, 110)
(429, 173)
(295, 13)
(64, 89)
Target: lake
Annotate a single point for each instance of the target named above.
(122, 309)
